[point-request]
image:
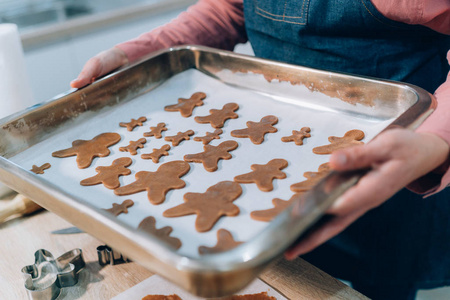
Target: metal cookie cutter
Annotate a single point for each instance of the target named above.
(45, 278)
(107, 256)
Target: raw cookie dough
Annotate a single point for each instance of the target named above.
(186, 106)
(40, 170)
(122, 208)
(133, 123)
(158, 183)
(209, 137)
(350, 138)
(216, 202)
(257, 130)
(162, 297)
(225, 242)
(179, 137)
(312, 179)
(157, 153)
(212, 154)
(133, 146)
(263, 175)
(156, 131)
(297, 136)
(218, 117)
(86, 151)
(279, 206)
(149, 225)
(109, 175)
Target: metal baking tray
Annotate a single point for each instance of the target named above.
(330, 103)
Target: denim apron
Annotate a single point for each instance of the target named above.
(404, 243)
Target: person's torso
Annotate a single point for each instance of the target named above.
(347, 36)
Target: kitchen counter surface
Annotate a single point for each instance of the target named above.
(23, 236)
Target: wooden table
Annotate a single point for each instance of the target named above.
(21, 237)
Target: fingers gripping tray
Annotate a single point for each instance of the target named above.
(330, 104)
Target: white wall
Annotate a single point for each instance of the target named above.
(52, 67)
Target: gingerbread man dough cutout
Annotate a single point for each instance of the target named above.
(109, 175)
(263, 175)
(350, 138)
(186, 106)
(218, 117)
(297, 136)
(312, 179)
(158, 183)
(133, 123)
(149, 225)
(280, 205)
(225, 242)
(86, 151)
(212, 154)
(122, 208)
(157, 153)
(209, 137)
(179, 137)
(133, 146)
(156, 131)
(216, 202)
(40, 170)
(257, 130)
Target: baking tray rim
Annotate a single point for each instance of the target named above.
(143, 247)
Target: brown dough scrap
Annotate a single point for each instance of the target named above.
(259, 296)
(179, 137)
(350, 138)
(133, 146)
(216, 202)
(157, 153)
(263, 175)
(162, 297)
(156, 131)
(109, 175)
(133, 123)
(122, 208)
(297, 136)
(149, 225)
(312, 179)
(158, 183)
(86, 151)
(218, 117)
(209, 137)
(225, 242)
(186, 106)
(212, 154)
(280, 205)
(40, 170)
(257, 130)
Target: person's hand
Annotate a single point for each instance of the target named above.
(99, 65)
(397, 157)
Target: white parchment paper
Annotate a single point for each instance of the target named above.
(292, 115)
